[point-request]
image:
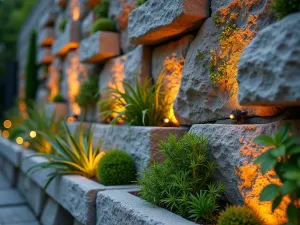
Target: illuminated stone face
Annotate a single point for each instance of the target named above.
(75, 9)
(53, 81)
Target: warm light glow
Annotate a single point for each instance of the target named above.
(26, 144)
(19, 140)
(7, 124)
(124, 15)
(53, 81)
(232, 116)
(32, 134)
(75, 9)
(166, 120)
(5, 134)
(71, 119)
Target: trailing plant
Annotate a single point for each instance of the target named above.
(31, 74)
(283, 155)
(73, 154)
(88, 93)
(142, 105)
(62, 25)
(140, 2)
(103, 24)
(237, 215)
(101, 10)
(182, 183)
(116, 168)
(59, 98)
(285, 7)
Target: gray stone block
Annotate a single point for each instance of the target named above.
(269, 67)
(46, 36)
(158, 20)
(68, 40)
(54, 214)
(11, 197)
(10, 171)
(99, 47)
(48, 18)
(87, 24)
(3, 182)
(232, 149)
(77, 223)
(121, 207)
(44, 56)
(17, 215)
(10, 151)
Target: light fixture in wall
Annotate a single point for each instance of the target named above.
(238, 115)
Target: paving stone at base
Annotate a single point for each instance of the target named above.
(11, 197)
(10, 172)
(3, 182)
(54, 214)
(19, 215)
(121, 207)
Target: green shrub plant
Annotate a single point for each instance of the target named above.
(285, 7)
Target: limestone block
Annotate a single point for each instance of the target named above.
(122, 207)
(269, 67)
(54, 214)
(17, 215)
(126, 68)
(10, 172)
(68, 40)
(11, 197)
(233, 151)
(87, 24)
(156, 21)
(208, 90)
(46, 36)
(48, 18)
(10, 151)
(3, 181)
(34, 195)
(45, 56)
(99, 47)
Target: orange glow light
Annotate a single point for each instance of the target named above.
(7, 124)
(26, 144)
(5, 134)
(75, 9)
(19, 140)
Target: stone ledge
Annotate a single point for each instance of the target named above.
(68, 40)
(157, 20)
(46, 36)
(99, 47)
(10, 151)
(44, 56)
(122, 207)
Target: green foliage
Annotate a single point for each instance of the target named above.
(105, 107)
(140, 2)
(88, 93)
(72, 155)
(103, 24)
(236, 215)
(101, 10)
(182, 183)
(62, 25)
(284, 157)
(59, 98)
(116, 168)
(31, 82)
(285, 7)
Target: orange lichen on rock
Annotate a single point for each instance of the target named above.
(253, 182)
(124, 15)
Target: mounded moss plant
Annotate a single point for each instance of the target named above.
(140, 2)
(285, 7)
(103, 24)
(59, 98)
(236, 215)
(116, 168)
(101, 10)
(88, 93)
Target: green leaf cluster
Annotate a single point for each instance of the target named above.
(62, 25)
(284, 157)
(59, 98)
(237, 215)
(140, 2)
(183, 183)
(88, 93)
(103, 24)
(101, 10)
(73, 154)
(285, 7)
(116, 168)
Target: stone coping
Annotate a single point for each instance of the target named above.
(10, 151)
(116, 207)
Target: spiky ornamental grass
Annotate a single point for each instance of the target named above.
(182, 183)
(73, 154)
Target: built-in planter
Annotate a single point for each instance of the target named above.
(46, 37)
(99, 47)
(68, 40)
(44, 56)
(155, 21)
(59, 108)
(48, 19)
(91, 3)
(118, 207)
(142, 143)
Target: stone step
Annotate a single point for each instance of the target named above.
(17, 215)
(11, 197)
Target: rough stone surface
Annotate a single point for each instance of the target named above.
(46, 36)
(87, 24)
(269, 67)
(140, 142)
(11, 197)
(54, 214)
(120, 207)
(156, 21)
(34, 195)
(99, 47)
(17, 215)
(126, 67)
(228, 148)
(199, 100)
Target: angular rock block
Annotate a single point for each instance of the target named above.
(17, 215)
(35, 196)
(122, 207)
(232, 149)
(87, 24)
(10, 171)
(48, 19)
(11, 197)
(68, 40)
(91, 3)
(46, 37)
(126, 68)
(269, 67)
(158, 20)
(54, 214)
(61, 3)
(45, 56)
(99, 47)
(4, 185)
